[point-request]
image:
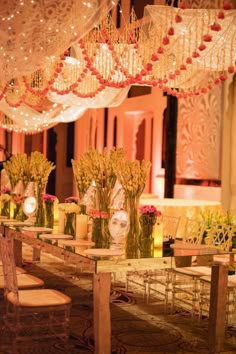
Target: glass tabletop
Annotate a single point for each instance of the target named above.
(106, 259)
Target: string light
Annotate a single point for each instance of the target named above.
(182, 51)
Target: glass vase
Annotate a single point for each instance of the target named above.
(146, 241)
(70, 224)
(100, 233)
(83, 209)
(134, 230)
(18, 213)
(5, 210)
(49, 210)
(40, 212)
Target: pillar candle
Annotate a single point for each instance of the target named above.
(158, 234)
(81, 226)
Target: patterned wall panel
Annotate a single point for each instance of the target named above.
(199, 136)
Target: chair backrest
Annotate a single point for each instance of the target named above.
(194, 231)
(9, 267)
(170, 226)
(220, 236)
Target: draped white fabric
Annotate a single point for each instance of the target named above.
(66, 108)
(109, 97)
(26, 119)
(32, 30)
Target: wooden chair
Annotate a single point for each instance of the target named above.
(32, 313)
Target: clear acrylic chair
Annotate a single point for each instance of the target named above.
(194, 231)
(25, 280)
(204, 302)
(32, 313)
(170, 225)
(220, 237)
(185, 277)
(157, 281)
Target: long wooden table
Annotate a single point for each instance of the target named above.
(102, 269)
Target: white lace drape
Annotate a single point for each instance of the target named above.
(30, 30)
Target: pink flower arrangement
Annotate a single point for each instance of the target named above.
(72, 200)
(18, 199)
(48, 198)
(5, 190)
(149, 214)
(149, 210)
(96, 214)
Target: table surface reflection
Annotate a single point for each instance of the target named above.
(104, 260)
(182, 208)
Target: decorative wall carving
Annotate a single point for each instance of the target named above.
(199, 136)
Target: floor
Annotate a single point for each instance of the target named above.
(137, 327)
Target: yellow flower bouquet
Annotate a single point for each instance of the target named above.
(98, 170)
(133, 176)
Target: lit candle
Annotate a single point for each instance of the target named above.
(81, 226)
(158, 235)
(158, 239)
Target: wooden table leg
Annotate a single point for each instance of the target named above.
(217, 315)
(18, 252)
(101, 313)
(36, 254)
